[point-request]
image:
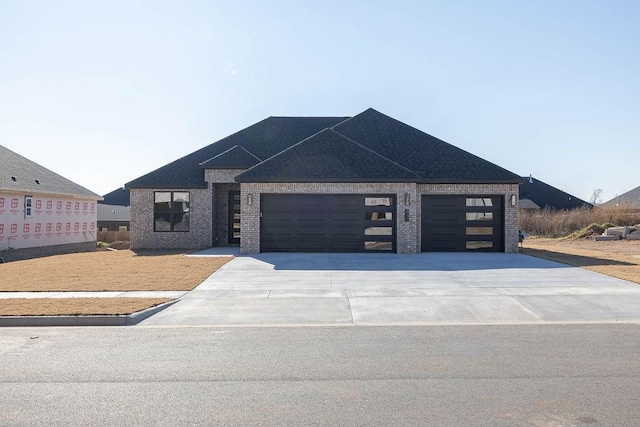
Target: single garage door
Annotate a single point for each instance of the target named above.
(462, 223)
(327, 223)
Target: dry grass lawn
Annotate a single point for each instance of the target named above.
(109, 271)
(76, 306)
(100, 271)
(619, 259)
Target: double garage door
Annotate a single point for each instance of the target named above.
(328, 223)
(367, 223)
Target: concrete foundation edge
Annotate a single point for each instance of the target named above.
(128, 320)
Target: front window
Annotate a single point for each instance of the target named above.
(171, 211)
(28, 206)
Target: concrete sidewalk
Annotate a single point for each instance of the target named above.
(387, 289)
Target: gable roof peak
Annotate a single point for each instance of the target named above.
(328, 156)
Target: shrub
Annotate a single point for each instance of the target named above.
(581, 222)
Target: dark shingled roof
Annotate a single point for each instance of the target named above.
(118, 197)
(235, 157)
(426, 157)
(432, 158)
(328, 157)
(546, 196)
(263, 139)
(630, 199)
(17, 173)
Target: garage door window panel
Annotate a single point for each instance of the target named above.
(479, 216)
(479, 201)
(379, 216)
(479, 231)
(479, 245)
(378, 246)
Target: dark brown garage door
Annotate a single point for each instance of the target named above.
(327, 223)
(462, 223)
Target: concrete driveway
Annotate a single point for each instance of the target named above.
(373, 289)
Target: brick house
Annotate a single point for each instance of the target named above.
(41, 212)
(367, 183)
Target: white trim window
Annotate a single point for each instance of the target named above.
(28, 207)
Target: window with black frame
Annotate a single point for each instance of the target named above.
(171, 211)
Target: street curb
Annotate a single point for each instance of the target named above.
(128, 320)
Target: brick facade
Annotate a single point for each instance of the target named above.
(200, 232)
(206, 231)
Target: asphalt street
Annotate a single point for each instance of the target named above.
(533, 375)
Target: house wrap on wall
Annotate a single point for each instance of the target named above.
(367, 183)
(41, 212)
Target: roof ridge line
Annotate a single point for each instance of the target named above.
(285, 150)
(246, 151)
(376, 153)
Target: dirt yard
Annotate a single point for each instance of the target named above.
(619, 259)
(109, 271)
(100, 271)
(76, 306)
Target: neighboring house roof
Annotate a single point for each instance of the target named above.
(119, 197)
(630, 199)
(17, 173)
(114, 213)
(527, 204)
(328, 157)
(263, 139)
(235, 157)
(547, 196)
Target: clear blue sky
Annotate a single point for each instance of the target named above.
(103, 92)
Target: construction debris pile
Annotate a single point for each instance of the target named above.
(617, 233)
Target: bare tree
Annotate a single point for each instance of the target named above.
(596, 197)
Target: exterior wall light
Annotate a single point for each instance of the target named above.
(249, 199)
(513, 200)
(407, 199)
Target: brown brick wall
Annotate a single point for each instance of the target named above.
(200, 218)
(222, 176)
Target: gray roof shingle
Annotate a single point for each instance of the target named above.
(432, 158)
(328, 157)
(114, 213)
(235, 157)
(429, 159)
(263, 139)
(17, 173)
(629, 199)
(120, 197)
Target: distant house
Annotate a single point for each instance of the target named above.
(41, 212)
(118, 197)
(535, 194)
(367, 183)
(114, 212)
(629, 199)
(113, 217)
